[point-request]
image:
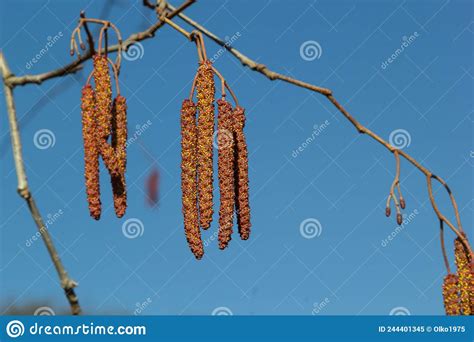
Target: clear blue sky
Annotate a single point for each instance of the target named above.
(339, 179)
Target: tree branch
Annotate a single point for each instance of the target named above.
(261, 68)
(72, 67)
(66, 283)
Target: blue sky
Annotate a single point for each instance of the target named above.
(339, 179)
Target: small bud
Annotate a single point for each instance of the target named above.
(83, 46)
(402, 203)
(71, 52)
(388, 211)
(399, 219)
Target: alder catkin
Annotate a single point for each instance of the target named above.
(103, 94)
(463, 264)
(205, 89)
(242, 174)
(119, 146)
(225, 161)
(91, 151)
(451, 295)
(189, 177)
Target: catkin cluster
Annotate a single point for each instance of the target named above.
(458, 289)
(197, 142)
(104, 130)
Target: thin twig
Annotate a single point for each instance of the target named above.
(72, 67)
(66, 283)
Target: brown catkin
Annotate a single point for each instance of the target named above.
(242, 174)
(119, 190)
(189, 177)
(225, 161)
(205, 89)
(451, 295)
(463, 264)
(91, 151)
(119, 141)
(103, 93)
(471, 285)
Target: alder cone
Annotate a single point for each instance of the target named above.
(189, 178)
(225, 163)
(103, 93)
(205, 89)
(242, 174)
(451, 295)
(91, 151)
(465, 276)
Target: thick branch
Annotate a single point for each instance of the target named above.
(66, 283)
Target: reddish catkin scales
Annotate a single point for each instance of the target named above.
(225, 161)
(205, 103)
(451, 295)
(242, 174)
(189, 177)
(119, 145)
(463, 264)
(103, 93)
(91, 151)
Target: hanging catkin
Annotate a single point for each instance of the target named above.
(103, 95)
(91, 151)
(451, 295)
(189, 177)
(242, 174)
(463, 264)
(119, 141)
(205, 103)
(225, 163)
